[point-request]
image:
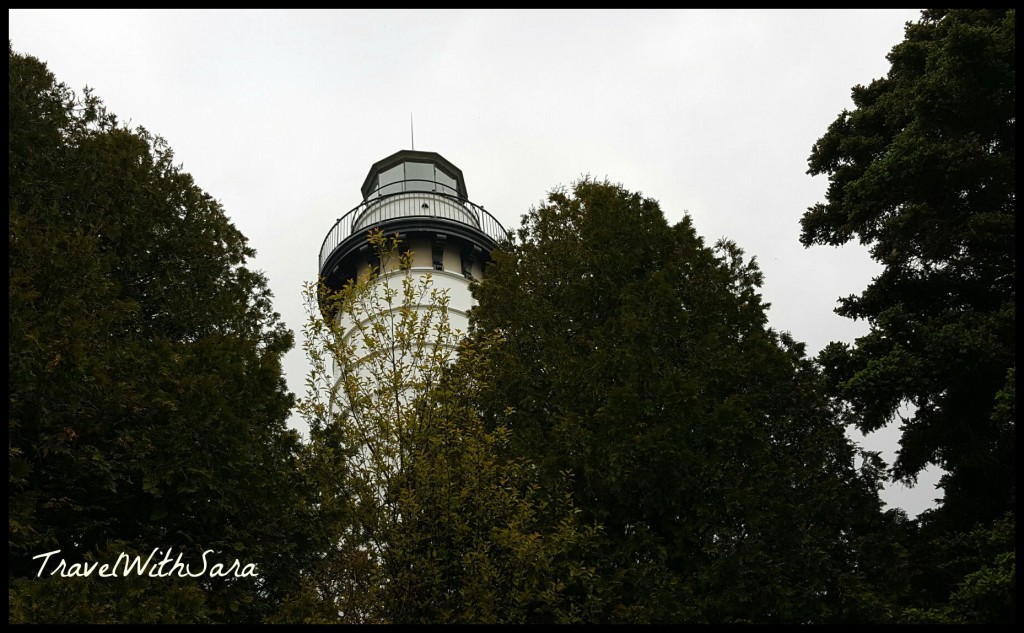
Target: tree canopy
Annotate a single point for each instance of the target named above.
(638, 359)
(923, 172)
(146, 405)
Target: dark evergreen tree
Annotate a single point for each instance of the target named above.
(923, 172)
(147, 404)
(638, 359)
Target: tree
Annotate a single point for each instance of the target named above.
(146, 405)
(922, 171)
(638, 359)
(434, 521)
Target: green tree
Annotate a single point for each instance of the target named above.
(638, 359)
(964, 577)
(434, 521)
(147, 404)
(922, 171)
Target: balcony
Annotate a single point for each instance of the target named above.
(412, 199)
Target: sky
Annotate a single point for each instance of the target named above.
(279, 114)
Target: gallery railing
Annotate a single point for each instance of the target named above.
(411, 203)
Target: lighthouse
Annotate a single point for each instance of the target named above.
(388, 345)
(420, 197)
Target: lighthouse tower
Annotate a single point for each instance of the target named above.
(421, 197)
(377, 373)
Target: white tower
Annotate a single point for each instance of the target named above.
(421, 197)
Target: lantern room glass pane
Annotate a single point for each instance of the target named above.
(389, 180)
(419, 177)
(446, 182)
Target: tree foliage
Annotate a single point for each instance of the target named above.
(434, 521)
(964, 577)
(638, 359)
(923, 172)
(146, 404)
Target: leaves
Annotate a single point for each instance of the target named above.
(923, 172)
(637, 358)
(147, 404)
(450, 527)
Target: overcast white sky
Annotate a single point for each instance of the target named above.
(279, 115)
